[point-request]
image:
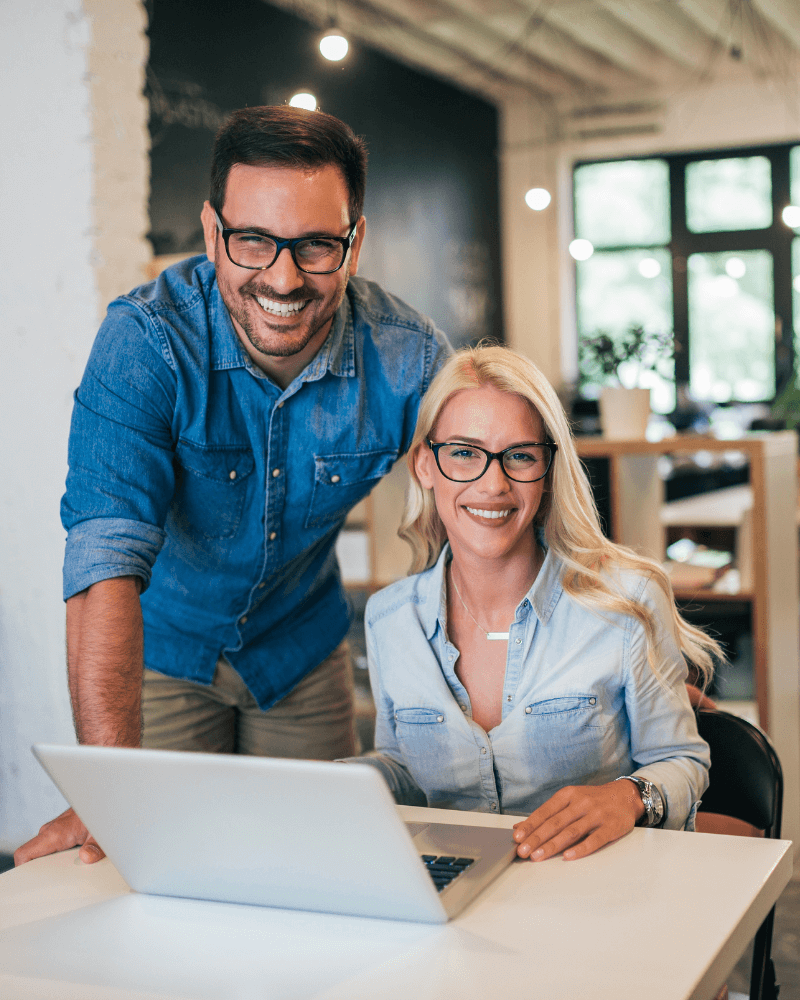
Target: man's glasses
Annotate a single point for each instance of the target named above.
(314, 254)
(464, 463)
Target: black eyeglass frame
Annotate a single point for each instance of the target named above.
(280, 244)
(492, 455)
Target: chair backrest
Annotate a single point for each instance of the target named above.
(746, 780)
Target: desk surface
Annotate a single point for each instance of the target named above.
(660, 913)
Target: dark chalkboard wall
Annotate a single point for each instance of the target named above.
(432, 191)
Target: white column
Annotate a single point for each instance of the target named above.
(53, 262)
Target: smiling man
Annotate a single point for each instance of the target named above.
(231, 414)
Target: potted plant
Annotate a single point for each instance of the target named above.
(616, 365)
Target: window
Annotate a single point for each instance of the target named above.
(695, 244)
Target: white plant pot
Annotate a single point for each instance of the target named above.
(624, 413)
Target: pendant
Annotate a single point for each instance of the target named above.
(500, 636)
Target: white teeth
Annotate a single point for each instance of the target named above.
(281, 308)
(491, 514)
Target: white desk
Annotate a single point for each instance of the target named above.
(659, 914)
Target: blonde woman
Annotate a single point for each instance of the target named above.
(528, 664)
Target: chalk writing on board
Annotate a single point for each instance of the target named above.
(181, 102)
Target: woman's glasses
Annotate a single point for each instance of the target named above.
(464, 463)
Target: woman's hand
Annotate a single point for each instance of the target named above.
(579, 820)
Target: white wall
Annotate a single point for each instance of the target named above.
(49, 306)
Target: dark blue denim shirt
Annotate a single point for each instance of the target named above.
(190, 468)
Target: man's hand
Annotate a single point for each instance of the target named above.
(60, 834)
(579, 820)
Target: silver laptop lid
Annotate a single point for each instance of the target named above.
(299, 834)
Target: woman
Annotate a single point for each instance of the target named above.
(529, 664)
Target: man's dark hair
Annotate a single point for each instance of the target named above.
(289, 137)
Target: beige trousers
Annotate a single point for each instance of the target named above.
(314, 721)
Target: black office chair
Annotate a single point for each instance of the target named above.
(746, 782)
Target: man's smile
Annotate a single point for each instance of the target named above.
(276, 308)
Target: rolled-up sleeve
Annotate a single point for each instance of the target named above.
(665, 744)
(121, 477)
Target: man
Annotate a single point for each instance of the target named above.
(229, 417)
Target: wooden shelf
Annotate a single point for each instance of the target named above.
(704, 595)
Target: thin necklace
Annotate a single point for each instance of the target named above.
(500, 636)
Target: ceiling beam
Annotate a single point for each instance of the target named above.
(515, 30)
(601, 32)
(667, 28)
(783, 15)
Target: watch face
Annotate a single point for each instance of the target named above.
(646, 790)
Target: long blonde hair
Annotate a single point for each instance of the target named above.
(567, 513)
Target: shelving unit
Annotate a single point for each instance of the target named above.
(764, 513)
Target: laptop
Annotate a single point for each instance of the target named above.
(305, 835)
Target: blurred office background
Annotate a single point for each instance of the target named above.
(662, 134)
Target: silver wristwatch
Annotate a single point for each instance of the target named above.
(651, 799)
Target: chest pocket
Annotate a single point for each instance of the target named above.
(561, 725)
(210, 489)
(340, 481)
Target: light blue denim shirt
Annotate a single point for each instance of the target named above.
(190, 468)
(581, 705)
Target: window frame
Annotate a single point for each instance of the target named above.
(776, 239)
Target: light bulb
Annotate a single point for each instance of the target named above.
(581, 249)
(791, 216)
(334, 46)
(537, 198)
(735, 267)
(304, 100)
(649, 267)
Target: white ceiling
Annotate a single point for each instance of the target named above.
(580, 58)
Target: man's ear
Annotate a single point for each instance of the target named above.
(423, 463)
(355, 249)
(210, 231)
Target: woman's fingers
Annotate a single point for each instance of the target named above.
(578, 821)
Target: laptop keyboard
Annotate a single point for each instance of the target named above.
(443, 869)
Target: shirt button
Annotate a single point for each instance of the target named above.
(272, 536)
(483, 749)
(493, 807)
(335, 479)
(593, 701)
(518, 641)
(463, 708)
(261, 586)
(450, 657)
(280, 406)
(243, 619)
(276, 473)
(509, 698)
(528, 710)
(232, 474)
(440, 718)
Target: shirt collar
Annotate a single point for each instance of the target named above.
(543, 594)
(337, 354)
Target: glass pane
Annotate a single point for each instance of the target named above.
(731, 326)
(734, 193)
(796, 304)
(623, 204)
(794, 174)
(620, 289)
